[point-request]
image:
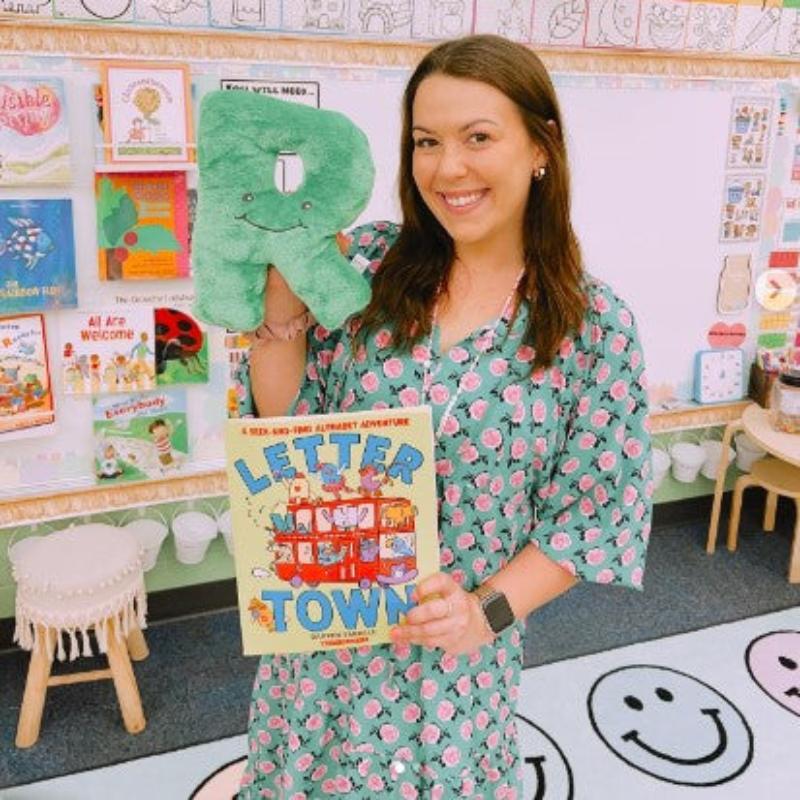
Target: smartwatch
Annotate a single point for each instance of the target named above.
(496, 608)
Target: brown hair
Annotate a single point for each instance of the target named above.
(404, 288)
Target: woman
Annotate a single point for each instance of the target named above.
(480, 307)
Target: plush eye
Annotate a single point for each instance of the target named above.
(247, 197)
(306, 205)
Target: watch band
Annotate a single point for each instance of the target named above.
(496, 609)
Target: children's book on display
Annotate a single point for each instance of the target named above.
(34, 134)
(334, 523)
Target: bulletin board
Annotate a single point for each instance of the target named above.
(647, 137)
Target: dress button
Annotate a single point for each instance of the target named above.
(399, 767)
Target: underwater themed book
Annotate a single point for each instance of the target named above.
(37, 256)
(334, 522)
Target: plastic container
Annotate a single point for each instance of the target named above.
(661, 464)
(224, 523)
(150, 533)
(785, 402)
(687, 458)
(747, 452)
(713, 451)
(194, 531)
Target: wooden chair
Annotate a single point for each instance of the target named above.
(778, 479)
(82, 580)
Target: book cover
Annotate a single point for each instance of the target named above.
(142, 226)
(107, 352)
(37, 256)
(147, 113)
(26, 398)
(334, 522)
(181, 348)
(140, 436)
(34, 133)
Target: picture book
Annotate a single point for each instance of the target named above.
(34, 134)
(140, 436)
(142, 226)
(334, 522)
(181, 348)
(106, 352)
(146, 112)
(37, 256)
(26, 398)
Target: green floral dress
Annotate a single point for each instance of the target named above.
(558, 457)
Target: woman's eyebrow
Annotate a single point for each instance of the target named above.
(464, 127)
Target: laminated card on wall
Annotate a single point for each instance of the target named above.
(334, 522)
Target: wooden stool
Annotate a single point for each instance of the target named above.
(778, 478)
(82, 579)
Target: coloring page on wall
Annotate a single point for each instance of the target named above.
(140, 436)
(26, 398)
(142, 225)
(245, 14)
(237, 388)
(37, 256)
(741, 209)
(748, 142)
(181, 348)
(95, 10)
(790, 221)
(146, 113)
(34, 132)
(107, 351)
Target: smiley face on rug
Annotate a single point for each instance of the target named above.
(670, 725)
(547, 775)
(773, 661)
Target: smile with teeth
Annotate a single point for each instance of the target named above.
(462, 200)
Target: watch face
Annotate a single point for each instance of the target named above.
(498, 612)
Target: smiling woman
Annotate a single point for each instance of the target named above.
(480, 308)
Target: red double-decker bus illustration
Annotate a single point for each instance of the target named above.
(364, 541)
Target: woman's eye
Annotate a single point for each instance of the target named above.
(479, 137)
(424, 143)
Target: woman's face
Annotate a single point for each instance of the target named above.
(473, 160)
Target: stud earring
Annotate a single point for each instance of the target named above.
(538, 174)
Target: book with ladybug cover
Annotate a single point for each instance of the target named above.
(34, 134)
(142, 225)
(181, 348)
(334, 523)
(37, 256)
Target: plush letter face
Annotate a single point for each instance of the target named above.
(245, 221)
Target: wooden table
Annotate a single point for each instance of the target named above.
(755, 423)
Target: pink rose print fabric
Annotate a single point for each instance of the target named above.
(559, 458)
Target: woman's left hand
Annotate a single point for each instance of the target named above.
(446, 617)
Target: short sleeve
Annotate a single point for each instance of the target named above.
(594, 516)
(366, 245)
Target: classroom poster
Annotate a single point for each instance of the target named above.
(147, 113)
(238, 394)
(34, 134)
(140, 436)
(107, 351)
(37, 256)
(26, 398)
(334, 521)
(142, 226)
(748, 140)
(741, 208)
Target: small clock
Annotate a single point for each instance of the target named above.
(719, 375)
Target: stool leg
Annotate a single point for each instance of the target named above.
(130, 702)
(770, 509)
(30, 713)
(794, 558)
(736, 509)
(137, 646)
